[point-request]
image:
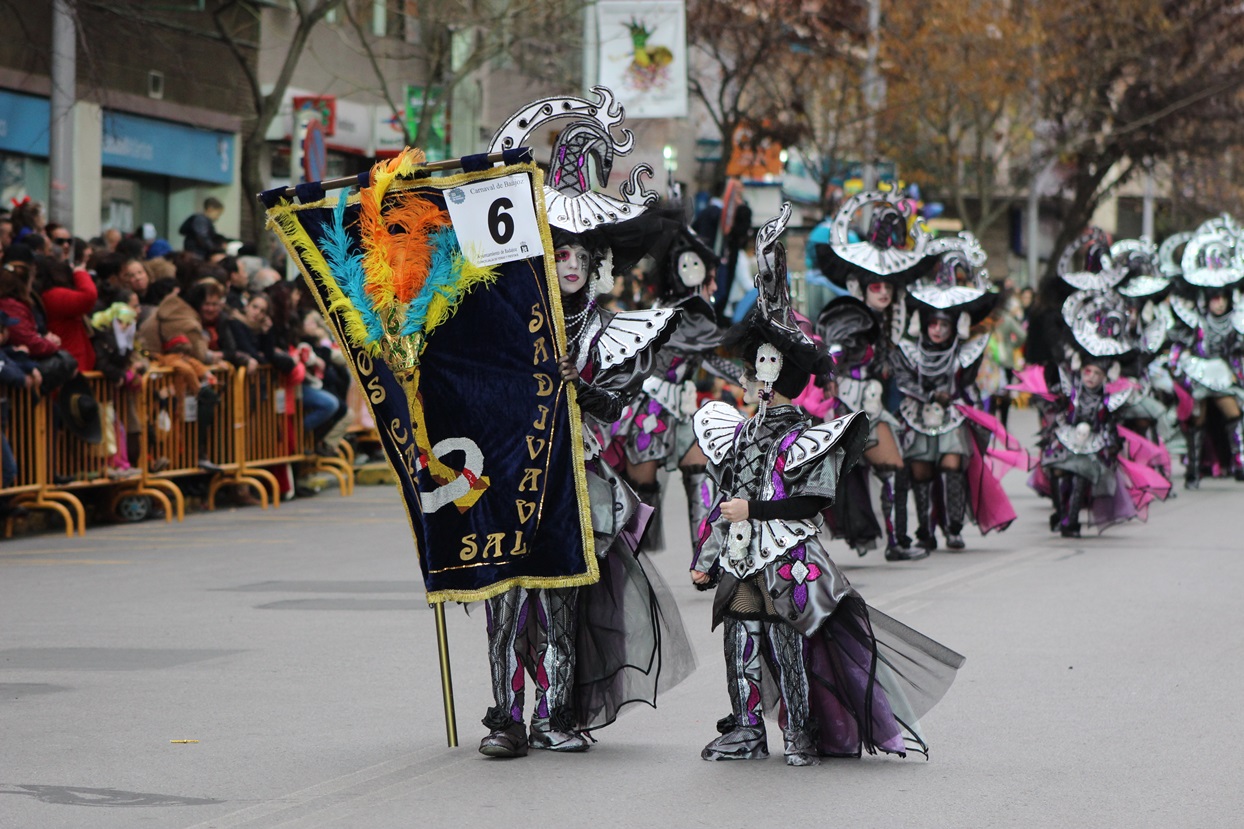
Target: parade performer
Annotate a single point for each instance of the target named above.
(1085, 462)
(935, 373)
(655, 429)
(799, 641)
(861, 331)
(589, 650)
(1143, 289)
(1207, 354)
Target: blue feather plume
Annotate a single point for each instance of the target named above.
(442, 279)
(348, 271)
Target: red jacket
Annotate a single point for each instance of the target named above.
(26, 331)
(65, 309)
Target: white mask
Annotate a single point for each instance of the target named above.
(691, 269)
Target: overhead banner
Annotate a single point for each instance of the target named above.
(643, 55)
(444, 296)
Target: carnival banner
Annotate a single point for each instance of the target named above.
(443, 294)
(643, 55)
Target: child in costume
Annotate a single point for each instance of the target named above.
(941, 405)
(799, 641)
(655, 429)
(861, 331)
(1207, 355)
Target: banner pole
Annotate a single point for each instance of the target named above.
(447, 682)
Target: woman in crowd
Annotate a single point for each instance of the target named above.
(68, 296)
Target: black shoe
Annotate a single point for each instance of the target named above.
(1070, 532)
(929, 543)
(746, 742)
(1055, 520)
(954, 542)
(896, 553)
(1192, 484)
(1238, 474)
(510, 741)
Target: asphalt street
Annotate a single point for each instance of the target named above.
(278, 668)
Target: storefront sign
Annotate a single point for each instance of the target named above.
(24, 124)
(145, 145)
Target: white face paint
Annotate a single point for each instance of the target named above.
(691, 269)
(573, 268)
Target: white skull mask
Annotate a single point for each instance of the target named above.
(768, 363)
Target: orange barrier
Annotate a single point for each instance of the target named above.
(78, 465)
(272, 411)
(244, 423)
(28, 429)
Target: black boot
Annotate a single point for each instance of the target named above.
(1192, 462)
(897, 543)
(956, 484)
(654, 537)
(924, 515)
(1070, 527)
(1058, 497)
(1235, 437)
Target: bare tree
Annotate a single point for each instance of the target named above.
(266, 99)
(739, 49)
(960, 119)
(1131, 82)
(447, 41)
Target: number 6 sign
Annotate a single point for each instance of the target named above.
(495, 219)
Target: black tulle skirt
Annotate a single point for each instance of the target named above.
(631, 642)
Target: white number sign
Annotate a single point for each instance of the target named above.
(495, 219)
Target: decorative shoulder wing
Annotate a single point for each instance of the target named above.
(1119, 397)
(1187, 312)
(972, 350)
(631, 333)
(849, 432)
(716, 424)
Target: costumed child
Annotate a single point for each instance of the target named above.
(941, 411)
(1084, 460)
(861, 332)
(655, 429)
(800, 642)
(1207, 355)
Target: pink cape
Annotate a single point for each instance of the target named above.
(990, 504)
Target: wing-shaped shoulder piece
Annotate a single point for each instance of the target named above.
(716, 423)
(819, 440)
(1186, 311)
(972, 350)
(630, 333)
(910, 351)
(1119, 398)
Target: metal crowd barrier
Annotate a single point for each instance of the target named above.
(28, 427)
(256, 421)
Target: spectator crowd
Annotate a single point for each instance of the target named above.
(119, 304)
